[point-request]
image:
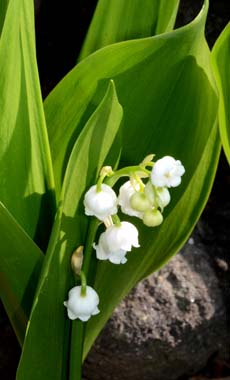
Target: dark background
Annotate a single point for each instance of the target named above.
(60, 30)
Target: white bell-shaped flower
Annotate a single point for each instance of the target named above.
(82, 306)
(167, 172)
(163, 197)
(102, 203)
(158, 196)
(122, 236)
(116, 241)
(126, 191)
(104, 253)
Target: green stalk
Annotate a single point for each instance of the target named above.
(93, 226)
(83, 284)
(78, 327)
(126, 172)
(77, 337)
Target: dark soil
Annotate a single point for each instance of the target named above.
(60, 32)
(169, 325)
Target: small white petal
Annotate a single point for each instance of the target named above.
(84, 318)
(163, 197)
(79, 306)
(125, 193)
(167, 172)
(122, 237)
(71, 315)
(116, 241)
(180, 168)
(103, 249)
(101, 204)
(118, 257)
(96, 311)
(175, 181)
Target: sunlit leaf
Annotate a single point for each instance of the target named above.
(49, 322)
(25, 166)
(166, 88)
(20, 267)
(120, 20)
(221, 68)
(3, 8)
(156, 247)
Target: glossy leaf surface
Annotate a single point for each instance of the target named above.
(166, 88)
(221, 66)
(3, 8)
(90, 151)
(20, 267)
(25, 166)
(120, 20)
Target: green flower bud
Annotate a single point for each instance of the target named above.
(152, 218)
(140, 202)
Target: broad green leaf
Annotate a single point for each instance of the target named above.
(49, 322)
(3, 8)
(26, 181)
(151, 77)
(120, 20)
(221, 69)
(158, 246)
(20, 265)
(166, 89)
(167, 12)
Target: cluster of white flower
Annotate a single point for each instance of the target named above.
(145, 200)
(144, 195)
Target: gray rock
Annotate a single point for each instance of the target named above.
(168, 326)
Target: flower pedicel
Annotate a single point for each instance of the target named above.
(144, 195)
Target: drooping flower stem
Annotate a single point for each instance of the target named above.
(116, 220)
(99, 183)
(93, 226)
(128, 171)
(105, 171)
(83, 284)
(78, 327)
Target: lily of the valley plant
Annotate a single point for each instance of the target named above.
(136, 198)
(83, 217)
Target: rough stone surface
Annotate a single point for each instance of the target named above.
(59, 28)
(168, 326)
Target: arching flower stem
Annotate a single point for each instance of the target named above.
(106, 171)
(128, 171)
(83, 284)
(139, 181)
